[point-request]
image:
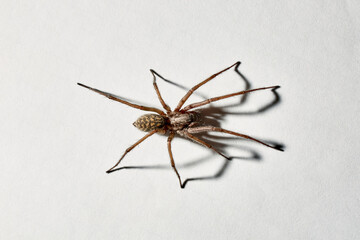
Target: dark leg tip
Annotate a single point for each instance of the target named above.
(82, 85)
(276, 87)
(182, 185)
(279, 147)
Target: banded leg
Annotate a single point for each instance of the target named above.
(207, 101)
(150, 109)
(132, 147)
(217, 129)
(170, 138)
(203, 143)
(188, 94)
(165, 106)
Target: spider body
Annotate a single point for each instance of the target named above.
(170, 122)
(149, 122)
(179, 121)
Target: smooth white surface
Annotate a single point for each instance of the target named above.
(58, 139)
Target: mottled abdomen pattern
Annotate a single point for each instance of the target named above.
(149, 122)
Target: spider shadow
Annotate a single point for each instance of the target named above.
(213, 116)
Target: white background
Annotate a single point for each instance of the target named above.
(58, 139)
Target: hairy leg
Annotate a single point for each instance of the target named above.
(188, 94)
(165, 106)
(150, 109)
(178, 85)
(207, 101)
(170, 138)
(132, 147)
(203, 143)
(217, 129)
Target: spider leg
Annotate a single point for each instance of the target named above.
(217, 129)
(132, 147)
(165, 106)
(150, 109)
(188, 94)
(170, 138)
(203, 143)
(179, 85)
(207, 101)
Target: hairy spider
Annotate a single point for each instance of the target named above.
(180, 121)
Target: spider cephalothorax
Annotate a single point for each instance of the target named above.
(179, 121)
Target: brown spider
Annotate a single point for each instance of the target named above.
(181, 121)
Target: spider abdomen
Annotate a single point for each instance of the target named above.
(149, 122)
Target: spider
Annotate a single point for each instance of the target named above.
(182, 120)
